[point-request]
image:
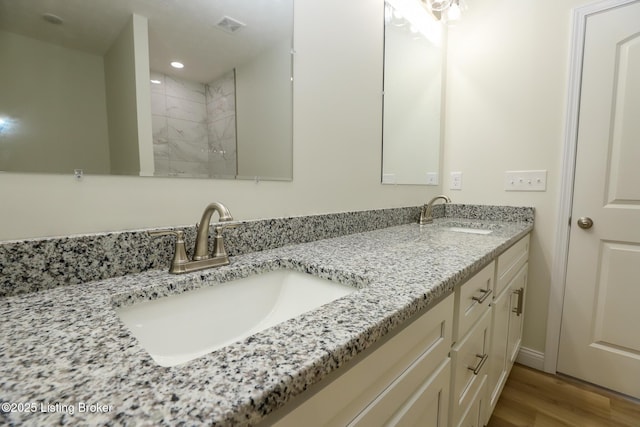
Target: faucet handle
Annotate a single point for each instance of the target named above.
(180, 257)
(218, 242)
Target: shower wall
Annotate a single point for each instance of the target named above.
(221, 126)
(193, 127)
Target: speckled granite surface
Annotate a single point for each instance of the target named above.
(37, 264)
(64, 348)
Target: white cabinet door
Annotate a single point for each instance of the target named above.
(517, 291)
(498, 356)
(508, 315)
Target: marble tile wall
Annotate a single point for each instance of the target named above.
(38, 264)
(179, 115)
(193, 126)
(221, 126)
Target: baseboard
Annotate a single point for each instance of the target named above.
(531, 358)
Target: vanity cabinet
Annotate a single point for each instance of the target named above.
(470, 351)
(403, 381)
(446, 368)
(507, 317)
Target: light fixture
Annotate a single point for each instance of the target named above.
(439, 5)
(446, 10)
(156, 82)
(178, 65)
(415, 16)
(455, 10)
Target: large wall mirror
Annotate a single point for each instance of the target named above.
(89, 85)
(413, 92)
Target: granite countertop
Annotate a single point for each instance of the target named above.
(66, 358)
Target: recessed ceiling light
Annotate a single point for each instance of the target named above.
(176, 64)
(156, 82)
(52, 19)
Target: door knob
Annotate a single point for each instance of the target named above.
(585, 222)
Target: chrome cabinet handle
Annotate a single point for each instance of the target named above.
(483, 358)
(518, 310)
(585, 222)
(485, 295)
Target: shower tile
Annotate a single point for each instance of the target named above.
(158, 104)
(184, 89)
(187, 130)
(184, 109)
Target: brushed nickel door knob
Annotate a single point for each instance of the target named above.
(585, 222)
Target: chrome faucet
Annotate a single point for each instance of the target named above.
(201, 257)
(202, 236)
(426, 217)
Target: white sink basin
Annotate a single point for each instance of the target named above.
(468, 230)
(183, 327)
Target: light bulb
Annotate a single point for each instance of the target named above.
(439, 5)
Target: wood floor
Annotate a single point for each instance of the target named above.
(533, 398)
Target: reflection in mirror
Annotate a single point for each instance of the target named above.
(90, 86)
(413, 64)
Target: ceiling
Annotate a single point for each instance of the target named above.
(183, 30)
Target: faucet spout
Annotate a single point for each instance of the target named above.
(426, 216)
(202, 236)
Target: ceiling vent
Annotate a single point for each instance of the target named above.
(230, 25)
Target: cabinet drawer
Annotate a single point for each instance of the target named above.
(510, 262)
(420, 397)
(469, 359)
(474, 416)
(425, 341)
(472, 301)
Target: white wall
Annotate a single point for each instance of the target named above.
(56, 97)
(143, 94)
(120, 81)
(337, 149)
(263, 105)
(507, 84)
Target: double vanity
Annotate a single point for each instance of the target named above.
(392, 324)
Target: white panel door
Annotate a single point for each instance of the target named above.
(600, 339)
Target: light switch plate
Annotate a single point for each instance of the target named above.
(535, 180)
(456, 181)
(432, 178)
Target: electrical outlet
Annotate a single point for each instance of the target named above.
(525, 180)
(456, 181)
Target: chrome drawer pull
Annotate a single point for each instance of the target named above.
(518, 310)
(485, 295)
(483, 359)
